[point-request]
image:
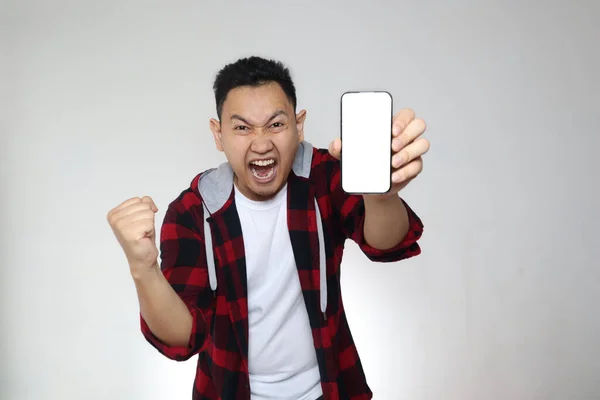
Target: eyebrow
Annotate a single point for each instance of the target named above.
(275, 114)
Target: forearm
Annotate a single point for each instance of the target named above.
(165, 313)
(386, 222)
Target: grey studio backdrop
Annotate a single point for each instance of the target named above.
(106, 100)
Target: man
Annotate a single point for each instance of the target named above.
(249, 278)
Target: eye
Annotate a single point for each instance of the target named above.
(240, 128)
(277, 125)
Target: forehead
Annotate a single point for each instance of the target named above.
(256, 102)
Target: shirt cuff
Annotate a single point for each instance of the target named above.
(407, 248)
(179, 353)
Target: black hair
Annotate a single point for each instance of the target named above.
(252, 71)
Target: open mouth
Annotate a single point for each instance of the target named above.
(263, 170)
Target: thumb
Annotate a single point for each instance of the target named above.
(335, 148)
(148, 200)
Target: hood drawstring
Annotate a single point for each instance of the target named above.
(212, 276)
(210, 258)
(322, 261)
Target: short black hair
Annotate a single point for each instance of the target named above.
(252, 71)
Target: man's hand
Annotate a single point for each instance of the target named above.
(408, 147)
(132, 223)
(386, 217)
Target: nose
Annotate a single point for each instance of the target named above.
(262, 143)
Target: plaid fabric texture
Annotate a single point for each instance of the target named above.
(220, 322)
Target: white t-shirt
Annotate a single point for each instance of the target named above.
(281, 353)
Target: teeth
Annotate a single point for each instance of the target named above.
(267, 176)
(263, 163)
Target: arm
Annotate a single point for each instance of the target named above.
(386, 222)
(175, 299)
(385, 231)
(165, 314)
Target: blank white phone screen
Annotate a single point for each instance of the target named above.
(366, 134)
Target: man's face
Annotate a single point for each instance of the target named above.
(259, 135)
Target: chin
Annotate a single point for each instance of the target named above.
(266, 191)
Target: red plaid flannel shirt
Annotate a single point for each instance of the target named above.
(220, 322)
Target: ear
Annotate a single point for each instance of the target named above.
(300, 118)
(215, 127)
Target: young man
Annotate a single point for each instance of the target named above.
(249, 278)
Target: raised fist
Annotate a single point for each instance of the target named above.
(133, 225)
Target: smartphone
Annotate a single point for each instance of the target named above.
(366, 135)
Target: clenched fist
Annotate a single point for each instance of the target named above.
(133, 225)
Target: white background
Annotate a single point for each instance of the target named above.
(104, 100)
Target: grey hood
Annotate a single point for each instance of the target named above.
(215, 186)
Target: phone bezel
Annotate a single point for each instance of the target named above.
(342, 139)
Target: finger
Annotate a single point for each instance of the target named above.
(148, 200)
(124, 204)
(335, 148)
(408, 172)
(138, 216)
(130, 209)
(411, 152)
(412, 131)
(125, 223)
(401, 120)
